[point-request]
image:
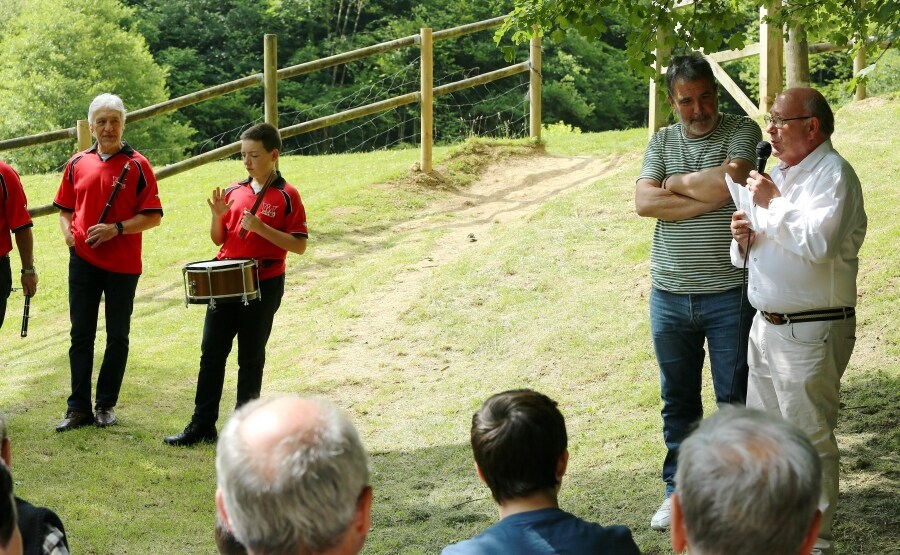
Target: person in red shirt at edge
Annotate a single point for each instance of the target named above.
(278, 227)
(15, 219)
(104, 256)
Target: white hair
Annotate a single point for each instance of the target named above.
(106, 101)
(747, 482)
(303, 493)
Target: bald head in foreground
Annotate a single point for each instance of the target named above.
(748, 482)
(293, 478)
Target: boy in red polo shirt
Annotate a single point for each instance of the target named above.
(279, 226)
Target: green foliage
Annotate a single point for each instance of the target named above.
(886, 75)
(709, 26)
(56, 56)
(589, 85)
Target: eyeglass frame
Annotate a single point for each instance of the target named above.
(779, 121)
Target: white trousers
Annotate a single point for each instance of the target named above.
(795, 371)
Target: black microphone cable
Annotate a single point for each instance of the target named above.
(763, 151)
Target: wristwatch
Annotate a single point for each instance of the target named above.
(120, 228)
(29, 271)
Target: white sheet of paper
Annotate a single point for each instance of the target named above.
(742, 200)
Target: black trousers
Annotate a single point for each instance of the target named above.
(87, 283)
(5, 286)
(252, 324)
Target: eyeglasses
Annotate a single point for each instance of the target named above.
(779, 121)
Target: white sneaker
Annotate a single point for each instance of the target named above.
(663, 516)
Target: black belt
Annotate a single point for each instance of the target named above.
(819, 315)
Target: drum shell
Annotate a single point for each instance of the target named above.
(228, 281)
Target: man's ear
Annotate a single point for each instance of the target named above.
(561, 464)
(363, 520)
(815, 125)
(676, 530)
(480, 474)
(220, 508)
(812, 534)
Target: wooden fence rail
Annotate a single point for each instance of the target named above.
(271, 75)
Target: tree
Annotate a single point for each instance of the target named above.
(708, 25)
(56, 56)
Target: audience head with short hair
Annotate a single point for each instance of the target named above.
(293, 477)
(265, 133)
(518, 438)
(747, 482)
(10, 539)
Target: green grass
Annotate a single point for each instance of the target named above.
(557, 301)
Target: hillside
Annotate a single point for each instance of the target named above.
(418, 298)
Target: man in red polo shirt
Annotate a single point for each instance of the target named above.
(104, 256)
(278, 227)
(14, 218)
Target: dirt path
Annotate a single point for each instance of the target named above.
(508, 191)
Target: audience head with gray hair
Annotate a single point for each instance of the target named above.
(747, 482)
(293, 478)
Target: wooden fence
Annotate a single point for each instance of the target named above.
(271, 75)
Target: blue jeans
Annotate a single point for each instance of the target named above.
(680, 324)
(252, 324)
(86, 285)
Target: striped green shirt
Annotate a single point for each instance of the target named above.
(692, 255)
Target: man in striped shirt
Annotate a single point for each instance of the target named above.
(696, 293)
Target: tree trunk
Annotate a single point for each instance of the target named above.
(796, 53)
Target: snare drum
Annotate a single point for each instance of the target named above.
(212, 281)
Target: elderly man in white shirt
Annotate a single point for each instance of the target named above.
(808, 224)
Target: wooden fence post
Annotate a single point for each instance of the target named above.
(771, 58)
(270, 78)
(83, 139)
(658, 112)
(535, 86)
(426, 87)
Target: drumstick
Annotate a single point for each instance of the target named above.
(25, 316)
(259, 197)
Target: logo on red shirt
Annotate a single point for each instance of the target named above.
(267, 210)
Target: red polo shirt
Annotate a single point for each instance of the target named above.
(87, 182)
(281, 209)
(13, 207)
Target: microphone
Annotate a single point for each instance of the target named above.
(763, 151)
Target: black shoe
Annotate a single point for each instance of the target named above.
(104, 417)
(75, 419)
(192, 435)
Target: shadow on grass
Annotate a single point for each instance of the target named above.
(868, 513)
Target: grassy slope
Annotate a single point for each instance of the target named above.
(563, 311)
